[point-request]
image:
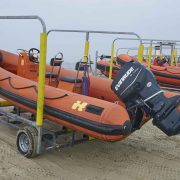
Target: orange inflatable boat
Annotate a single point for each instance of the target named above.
(168, 76)
(98, 111)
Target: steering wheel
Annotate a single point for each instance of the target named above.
(34, 55)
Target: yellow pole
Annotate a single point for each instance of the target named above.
(150, 56)
(172, 57)
(176, 57)
(111, 62)
(161, 56)
(140, 53)
(127, 52)
(86, 48)
(147, 54)
(41, 79)
(4, 103)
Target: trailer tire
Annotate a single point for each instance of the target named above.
(26, 141)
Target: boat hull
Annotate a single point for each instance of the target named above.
(89, 115)
(166, 75)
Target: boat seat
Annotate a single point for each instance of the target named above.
(52, 75)
(70, 79)
(56, 61)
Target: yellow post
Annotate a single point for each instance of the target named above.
(111, 62)
(41, 79)
(140, 53)
(127, 52)
(161, 56)
(4, 103)
(86, 48)
(176, 57)
(147, 54)
(150, 56)
(172, 57)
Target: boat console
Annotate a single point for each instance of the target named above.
(28, 63)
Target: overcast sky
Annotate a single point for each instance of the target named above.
(148, 18)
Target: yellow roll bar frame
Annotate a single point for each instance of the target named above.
(41, 79)
(4, 103)
(172, 57)
(176, 57)
(161, 56)
(150, 55)
(140, 53)
(113, 47)
(86, 48)
(111, 60)
(147, 53)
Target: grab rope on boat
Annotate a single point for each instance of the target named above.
(32, 86)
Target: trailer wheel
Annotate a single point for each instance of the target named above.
(26, 141)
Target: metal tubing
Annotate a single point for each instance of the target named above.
(112, 49)
(140, 50)
(135, 48)
(99, 32)
(41, 88)
(39, 139)
(15, 117)
(93, 32)
(41, 80)
(27, 17)
(153, 40)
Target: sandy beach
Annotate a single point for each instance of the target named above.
(146, 154)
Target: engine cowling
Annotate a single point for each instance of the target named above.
(138, 88)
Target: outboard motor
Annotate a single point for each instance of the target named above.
(138, 88)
